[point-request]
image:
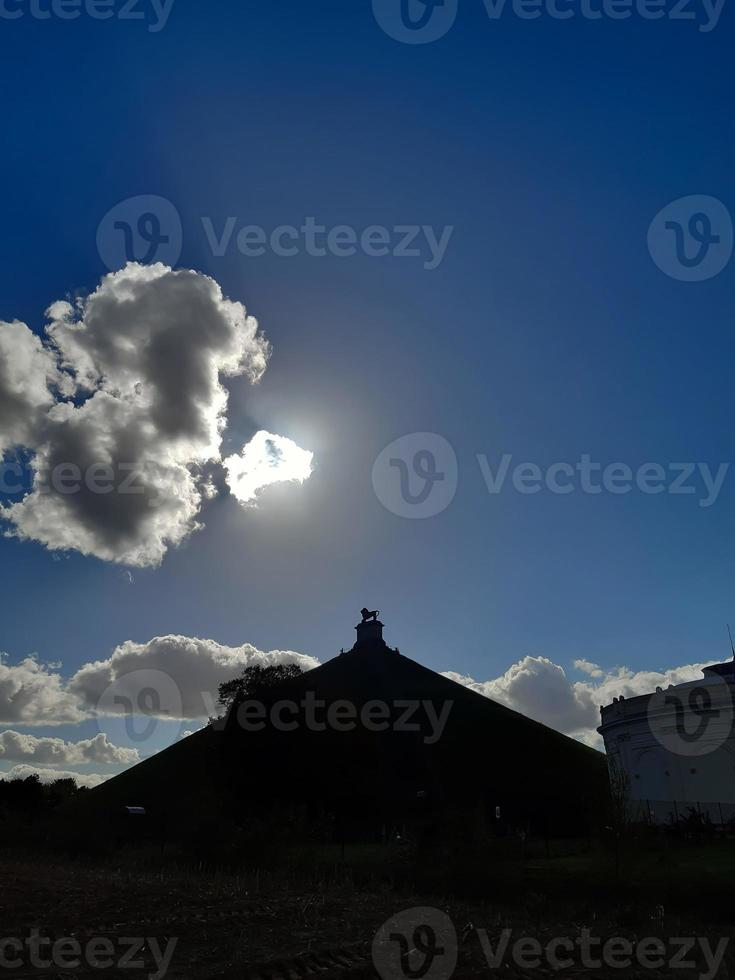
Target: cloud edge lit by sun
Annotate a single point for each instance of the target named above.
(266, 459)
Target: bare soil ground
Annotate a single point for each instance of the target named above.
(229, 926)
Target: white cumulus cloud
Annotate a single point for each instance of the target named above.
(18, 747)
(123, 407)
(175, 677)
(33, 693)
(587, 667)
(28, 375)
(266, 459)
(23, 771)
(541, 689)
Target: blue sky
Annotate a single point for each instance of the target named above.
(546, 331)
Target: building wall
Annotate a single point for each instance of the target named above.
(675, 745)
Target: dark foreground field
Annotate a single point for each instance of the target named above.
(275, 925)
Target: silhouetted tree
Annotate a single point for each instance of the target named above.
(61, 790)
(24, 795)
(236, 781)
(27, 797)
(255, 682)
(619, 799)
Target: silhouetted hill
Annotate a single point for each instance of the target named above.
(455, 750)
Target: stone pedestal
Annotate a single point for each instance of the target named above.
(369, 632)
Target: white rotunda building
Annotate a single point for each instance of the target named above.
(675, 748)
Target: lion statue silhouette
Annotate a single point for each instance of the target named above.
(369, 614)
